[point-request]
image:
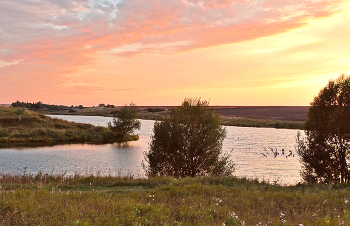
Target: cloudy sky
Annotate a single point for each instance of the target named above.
(157, 52)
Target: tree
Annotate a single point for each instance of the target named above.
(125, 121)
(188, 142)
(325, 150)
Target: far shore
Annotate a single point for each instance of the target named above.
(288, 117)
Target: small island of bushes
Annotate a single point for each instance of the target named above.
(21, 126)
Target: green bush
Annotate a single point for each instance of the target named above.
(188, 142)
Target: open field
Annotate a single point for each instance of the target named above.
(272, 113)
(95, 200)
(272, 117)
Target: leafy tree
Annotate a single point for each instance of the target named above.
(325, 150)
(188, 142)
(125, 121)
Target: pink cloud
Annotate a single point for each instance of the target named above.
(201, 23)
(49, 38)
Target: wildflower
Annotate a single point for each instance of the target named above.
(233, 214)
(346, 201)
(217, 201)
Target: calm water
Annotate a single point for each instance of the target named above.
(247, 146)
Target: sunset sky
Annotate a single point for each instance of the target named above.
(157, 52)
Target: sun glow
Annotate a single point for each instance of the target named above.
(158, 53)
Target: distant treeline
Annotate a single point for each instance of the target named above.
(39, 106)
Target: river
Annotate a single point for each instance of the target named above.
(251, 149)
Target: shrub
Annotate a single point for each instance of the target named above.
(155, 109)
(188, 143)
(125, 121)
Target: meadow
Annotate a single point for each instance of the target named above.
(125, 200)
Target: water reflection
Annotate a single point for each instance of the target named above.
(244, 144)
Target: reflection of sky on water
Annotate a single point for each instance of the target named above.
(244, 144)
(247, 146)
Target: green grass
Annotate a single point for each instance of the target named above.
(18, 126)
(266, 123)
(89, 200)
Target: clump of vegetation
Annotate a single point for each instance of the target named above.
(188, 142)
(155, 109)
(18, 125)
(105, 200)
(125, 121)
(39, 106)
(325, 150)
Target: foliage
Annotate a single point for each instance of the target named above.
(39, 106)
(325, 150)
(155, 109)
(188, 143)
(125, 121)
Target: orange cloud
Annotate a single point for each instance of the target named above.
(49, 39)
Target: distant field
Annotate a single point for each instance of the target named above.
(289, 117)
(285, 113)
(273, 113)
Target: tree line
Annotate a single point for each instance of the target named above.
(35, 106)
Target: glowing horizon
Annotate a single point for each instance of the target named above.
(158, 52)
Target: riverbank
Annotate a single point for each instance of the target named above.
(266, 117)
(95, 200)
(19, 126)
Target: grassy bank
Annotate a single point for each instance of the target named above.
(18, 126)
(89, 200)
(265, 123)
(158, 113)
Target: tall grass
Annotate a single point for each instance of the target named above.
(90, 200)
